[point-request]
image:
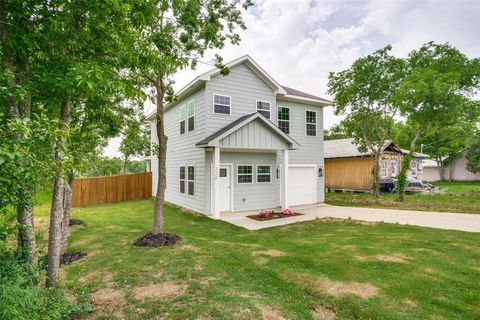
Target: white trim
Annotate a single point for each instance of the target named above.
(244, 174)
(289, 119)
(194, 181)
(315, 173)
(215, 184)
(316, 102)
(270, 109)
(213, 104)
(184, 105)
(263, 174)
(305, 121)
(231, 166)
(284, 180)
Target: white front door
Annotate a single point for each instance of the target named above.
(225, 188)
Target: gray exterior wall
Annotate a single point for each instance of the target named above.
(245, 88)
(181, 150)
(311, 148)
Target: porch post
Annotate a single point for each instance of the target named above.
(215, 193)
(284, 180)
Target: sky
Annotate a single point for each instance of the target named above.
(299, 42)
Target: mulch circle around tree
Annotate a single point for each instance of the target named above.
(275, 215)
(69, 257)
(157, 240)
(75, 222)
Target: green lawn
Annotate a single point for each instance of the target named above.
(460, 197)
(313, 270)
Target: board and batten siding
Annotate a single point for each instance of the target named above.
(349, 173)
(255, 134)
(181, 150)
(311, 148)
(245, 88)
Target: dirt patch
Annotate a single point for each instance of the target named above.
(159, 290)
(261, 260)
(397, 258)
(70, 257)
(189, 247)
(271, 314)
(157, 240)
(410, 303)
(361, 258)
(270, 252)
(338, 288)
(108, 297)
(322, 313)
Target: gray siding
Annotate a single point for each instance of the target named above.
(255, 134)
(245, 88)
(311, 148)
(181, 150)
(255, 195)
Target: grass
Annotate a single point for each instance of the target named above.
(219, 271)
(460, 196)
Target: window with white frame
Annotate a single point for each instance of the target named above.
(221, 104)
(383, 168)
(311, 123)
(264, 108)
(284, 119)
(244, 174)
(191, 115)
(191, 180)
(414, 167)
(264, 173)
(182, 116)
(393, 167)
(182, 179)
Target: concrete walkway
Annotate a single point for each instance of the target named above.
(440, 220)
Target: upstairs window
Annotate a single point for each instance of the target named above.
(182, 116)
(311, 123)
(182, 179)
(264, 108)
(245, 174)
(221, 104)
(191, 180)
(284, 119)
(191, 115)
(264, 173)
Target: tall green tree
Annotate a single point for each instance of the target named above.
(438, 90)
(167, 36)
(136, 140)
(364, 94)
(473, 153)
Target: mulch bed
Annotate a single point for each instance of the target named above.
(275, 215)
(75, 222)
(157, 240)
(69, 257)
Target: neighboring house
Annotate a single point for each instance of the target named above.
(457, 170)
(348, 168)
(242, 142)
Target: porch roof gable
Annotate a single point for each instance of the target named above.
(215, 138)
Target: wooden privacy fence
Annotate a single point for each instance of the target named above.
(111, 189)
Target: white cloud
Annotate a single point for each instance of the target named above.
(300, 41)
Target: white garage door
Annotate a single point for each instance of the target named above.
(302, 184)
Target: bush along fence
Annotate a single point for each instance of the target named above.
(111, 189)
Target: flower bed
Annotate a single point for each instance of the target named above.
(271, 215)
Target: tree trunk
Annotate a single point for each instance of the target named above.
(125, 165)
(441, 168)
(406, 164)
(161, 154)
(376, 174)
(450, 178)
(26, 233)
(56, 212)
(67, 205)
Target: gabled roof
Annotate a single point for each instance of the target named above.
(416, 154)
(346, 148)
(214, 139)
(282, 92)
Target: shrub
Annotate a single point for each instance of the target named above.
(21, 297)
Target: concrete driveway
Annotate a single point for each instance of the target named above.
(440, 220)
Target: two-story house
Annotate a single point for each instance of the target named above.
(242, 142)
